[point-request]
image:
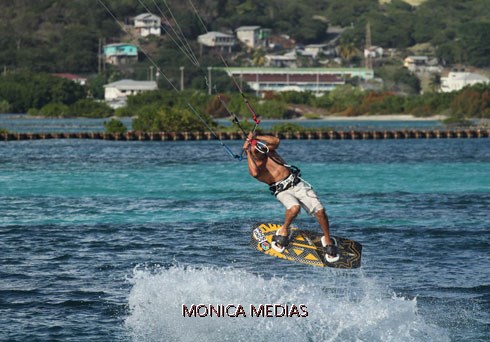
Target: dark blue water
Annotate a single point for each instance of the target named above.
(356, 124)
(105, 240)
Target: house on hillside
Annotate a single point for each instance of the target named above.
(253, 37)
(287, 60)
(422, 65)
(414, 62)
(120, 53)
(283, 41)
(313, 50)
(74, 78)
(217, 40)
(457, 80)
(374, 52)
(116, 93)
(146, 24)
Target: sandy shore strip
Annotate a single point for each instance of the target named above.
(391, 117)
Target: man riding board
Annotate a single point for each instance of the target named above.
(267, 166)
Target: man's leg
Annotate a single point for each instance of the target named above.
(331, 249)
(291, 214)
(322, 218)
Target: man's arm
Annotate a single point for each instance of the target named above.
(271, 141)
(254, 166)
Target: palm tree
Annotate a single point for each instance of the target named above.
(347, 50)
(258, 57)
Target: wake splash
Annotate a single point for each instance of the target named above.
(329, 309)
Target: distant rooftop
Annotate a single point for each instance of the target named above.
(132, 85)
(248, 28)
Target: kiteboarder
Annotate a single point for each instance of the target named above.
(285, 182)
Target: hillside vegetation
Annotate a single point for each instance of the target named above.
(47, 36)
(63, 36)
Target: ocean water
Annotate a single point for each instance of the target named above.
(108, 241)
(23, 123)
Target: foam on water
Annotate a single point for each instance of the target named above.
(339, 308)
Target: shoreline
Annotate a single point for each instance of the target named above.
(375, 117)
(388, 117)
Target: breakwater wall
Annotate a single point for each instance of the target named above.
(312, 135)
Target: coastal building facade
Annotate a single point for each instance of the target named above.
(218, 40)
(316, 80)
(147, 23)
(116, 93)
(253, 36)
(120, 53)
(457, 80)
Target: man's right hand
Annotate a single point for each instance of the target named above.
(248, 141)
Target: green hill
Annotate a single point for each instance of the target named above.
(64, 36)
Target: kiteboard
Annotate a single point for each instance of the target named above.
(306, 247)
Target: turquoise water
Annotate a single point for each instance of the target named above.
(107, 240)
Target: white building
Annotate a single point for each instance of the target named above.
(117, 93)
(457, 80)
(217, 40)
(282, 61)
(374, 52)
(313, 50)
(147, 23)
(316, 80)
(253, 36)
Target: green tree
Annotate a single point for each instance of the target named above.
(344, 13)
(398, 79)
(287, 127)
(297, 97)
(272, 109)
(89, 108)
(25, 90)
(154, 118)
(258, 57)
(471, 102)
(475, 38)
(348, 51)
(55, 110)
(4, 106)
(96, 86)
(115, 126)
(345, 99)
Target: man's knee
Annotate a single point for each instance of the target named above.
(321, 213)
(294, 210)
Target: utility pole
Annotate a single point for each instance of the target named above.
(209, 81)
(103, 56)
(367, 50)
(181, 78)
(99, 58)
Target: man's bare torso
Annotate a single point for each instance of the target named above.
(270, 171)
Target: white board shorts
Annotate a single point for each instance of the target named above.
(303, 195)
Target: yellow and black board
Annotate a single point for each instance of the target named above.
(306, 247)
